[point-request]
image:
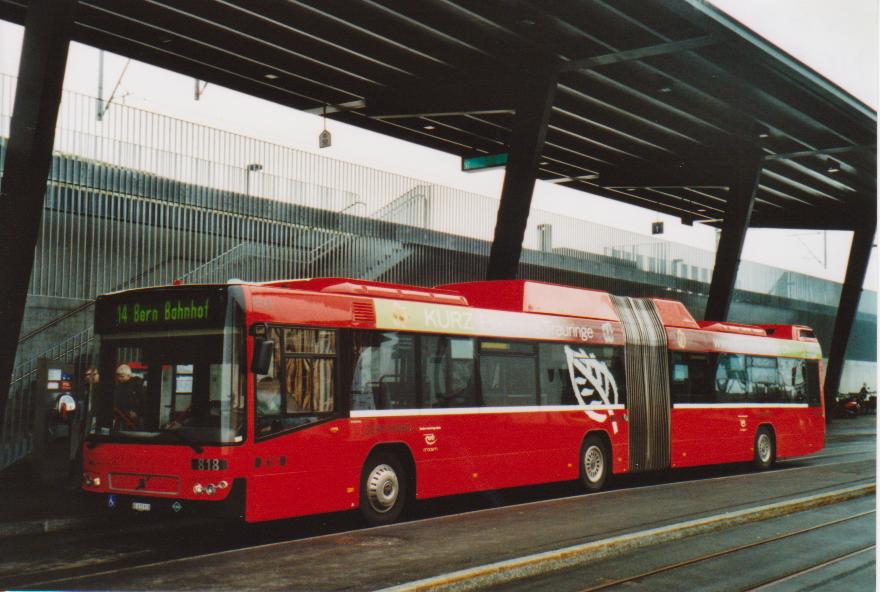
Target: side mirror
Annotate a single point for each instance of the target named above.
(263, 349)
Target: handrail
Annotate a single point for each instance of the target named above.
(353, 204)
(56, 320)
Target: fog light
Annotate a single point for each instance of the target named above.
(222, 485)
(210, 489)
(198, 489)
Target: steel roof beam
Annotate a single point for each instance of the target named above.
(493, 94)
(727, 23)
(740, 202)
(714, 172)
(856, 269)
(47, 34)
(641, 53)
(535, 102)
(821, 219)
(811, 113)
(820, 151)
(302, 71)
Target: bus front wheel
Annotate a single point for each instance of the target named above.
(595, 463)
(383, 489)
(765, 449)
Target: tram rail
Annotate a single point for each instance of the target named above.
(738, 548)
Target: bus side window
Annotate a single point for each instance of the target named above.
(384, 375)
(554, 379)
(602, 367)
(679, 378)
(310, 361)
(507, 373)
(731, 381)
(690, 377)
(447, 371)
(811, 377)
(792, 380)
(763, 377)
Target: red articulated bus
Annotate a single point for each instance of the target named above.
(288, 398)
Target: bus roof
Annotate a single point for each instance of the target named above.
(534, 297)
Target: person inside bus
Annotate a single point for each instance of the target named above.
(128, 395)
(268, 402)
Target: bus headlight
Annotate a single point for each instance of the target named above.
(210, 488)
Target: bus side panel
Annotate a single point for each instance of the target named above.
(470, 452)
(478, 451)
(524, 448)
(305, 472)
(799, 432)
(704, 435)
(711, 435)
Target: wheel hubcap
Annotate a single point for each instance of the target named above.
(764, 447)
(594, 464)
(382, 488)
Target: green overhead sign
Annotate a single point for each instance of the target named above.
(484, 161)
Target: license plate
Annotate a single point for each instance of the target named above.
(140, 506)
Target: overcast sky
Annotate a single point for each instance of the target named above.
(837, 38)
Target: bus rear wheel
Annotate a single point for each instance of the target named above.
(384, 489)
(765, 449)
(595, 463)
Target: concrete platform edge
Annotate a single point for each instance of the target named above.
(44, 526)
(531, 565)
(51, 525)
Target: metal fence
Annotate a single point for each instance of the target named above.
(132, 139)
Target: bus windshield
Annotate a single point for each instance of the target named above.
(170, 388)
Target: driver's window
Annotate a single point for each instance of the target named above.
(300, 385)
(268, 387)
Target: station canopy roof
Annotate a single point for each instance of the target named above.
(655, 98)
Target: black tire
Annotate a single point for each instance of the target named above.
(384, 489)
(595, 463)
(765, 449)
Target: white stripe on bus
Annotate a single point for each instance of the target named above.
(557, 408)
(739, 405)
(479, 410)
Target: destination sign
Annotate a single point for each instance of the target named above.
(162, 309)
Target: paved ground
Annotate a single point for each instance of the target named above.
(329, 552)
(831, 548)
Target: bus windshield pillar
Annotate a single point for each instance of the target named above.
(47, 31)
(524, 151)
(738, 212)
(856, 268)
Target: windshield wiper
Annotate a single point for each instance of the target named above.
(198, 449)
